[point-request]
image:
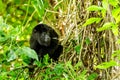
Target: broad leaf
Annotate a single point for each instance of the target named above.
(115, 30)
(94, 8)
(106, 26)
(115, 12)
(113, 2)
(106, 65)
(92, 20)
(26, 51)
(30, 53)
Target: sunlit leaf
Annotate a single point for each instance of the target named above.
(106, 65)
(103, 13)
(118, 19)
(113, 2)
(105, 4)
(118, 41)
(115, 30)
(1, 20)
(116, 54)
(40, 6)
(78, 65)
(106, 26)
(115, 12)
(92, 20)
(94, 8)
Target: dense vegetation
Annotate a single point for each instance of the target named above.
(88, 30)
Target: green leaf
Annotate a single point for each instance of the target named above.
(116, 54)
(94, 8)
(92, 76)
(77, 66)
(118, 41)
(105, 4)
(83, 72)
(11, 56)
(40, 6)
(2, 6)
(30, 53)
(46, 59)
(115, 12)
(68, 64)
(115, 30)
(58, 69)
(87, 40)
(108, 26)
(77, 49)
(1, 21)
(118, 19)
(106, 65)
(113, 2)
(92, 20)
(103, 13)
(3, 36)
(26, 51)
(105, 26)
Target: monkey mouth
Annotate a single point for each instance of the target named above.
(44, 39)
(43, 43)
(55, 38)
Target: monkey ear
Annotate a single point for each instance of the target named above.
(53, 34)
(34, 30)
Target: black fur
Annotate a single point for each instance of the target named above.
(44, 40)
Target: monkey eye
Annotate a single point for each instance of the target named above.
(34, 30)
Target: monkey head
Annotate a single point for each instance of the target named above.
(43, 35)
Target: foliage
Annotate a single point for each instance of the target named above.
(89, 32)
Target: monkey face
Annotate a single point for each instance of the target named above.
(42, 37)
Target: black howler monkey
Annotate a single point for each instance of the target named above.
(44, 40)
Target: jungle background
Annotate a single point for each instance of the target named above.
(88, 30)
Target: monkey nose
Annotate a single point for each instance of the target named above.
(47, 39)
